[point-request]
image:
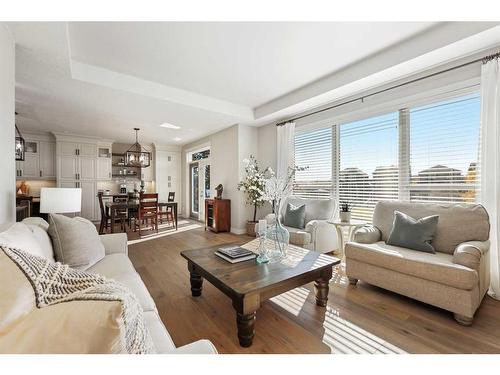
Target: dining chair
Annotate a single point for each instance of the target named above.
(169, 212)
(121, 214)
(105, 218)
(147, 211)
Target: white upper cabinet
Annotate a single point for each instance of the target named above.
(40, 158)
(104, 160)
(48, 159)
(31, 165)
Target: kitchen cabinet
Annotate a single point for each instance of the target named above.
(39, 161)
(89, 193)
(81, 163)
(47, 160)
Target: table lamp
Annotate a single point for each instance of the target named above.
(60, 200)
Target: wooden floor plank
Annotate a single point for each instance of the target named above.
(359, 319)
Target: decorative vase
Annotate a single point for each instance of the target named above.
(279, 237)
(251, 228)
(345, 216)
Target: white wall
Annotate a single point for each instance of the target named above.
(7, 133)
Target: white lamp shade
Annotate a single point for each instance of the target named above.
(60, 200)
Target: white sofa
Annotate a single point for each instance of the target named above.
(116, 265)
(317, 235)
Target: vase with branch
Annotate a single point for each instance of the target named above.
(253, 187)
(276, 191)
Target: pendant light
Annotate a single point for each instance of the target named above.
(20, 144)
(136, 155)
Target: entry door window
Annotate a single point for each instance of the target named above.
(195, 200)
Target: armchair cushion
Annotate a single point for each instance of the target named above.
(299, 237)
(295, 216)
(367, 234)
(469, 254)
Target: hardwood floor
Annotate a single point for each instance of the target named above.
(358, 319)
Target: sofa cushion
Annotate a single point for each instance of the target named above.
(161, 339)
(19, 236)
(119, 268)
(458, 222)
(295, 216)
(413, 234)
(75, 241)
(438, 267)
(299, 237)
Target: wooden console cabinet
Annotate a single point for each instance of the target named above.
(218, 215)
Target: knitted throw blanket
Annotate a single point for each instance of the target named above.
(56, 283)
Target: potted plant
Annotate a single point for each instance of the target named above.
(253, 187)
(345, 212)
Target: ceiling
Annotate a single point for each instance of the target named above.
(103, 79)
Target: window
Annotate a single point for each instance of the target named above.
(368, 169)
(313, 149)
(444, 141)
(200, 155)
(422, 154)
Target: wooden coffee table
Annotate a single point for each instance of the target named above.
(248, 283)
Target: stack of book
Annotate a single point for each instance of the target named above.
(234, 254)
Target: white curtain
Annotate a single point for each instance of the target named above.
(285, 148)
(490, 163)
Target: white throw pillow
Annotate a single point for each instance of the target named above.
(20, 236)
(43, 240)
(75, 241)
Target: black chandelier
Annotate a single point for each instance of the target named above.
(20, 145)
(136, 155)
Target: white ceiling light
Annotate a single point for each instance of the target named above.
(177, 139)
(169, 126)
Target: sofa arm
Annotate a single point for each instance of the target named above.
(197, 347)
(115, 243)
(367, 234)
(468, 254)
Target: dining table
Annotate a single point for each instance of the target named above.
(133, 204)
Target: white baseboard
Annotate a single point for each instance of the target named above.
(238, 230)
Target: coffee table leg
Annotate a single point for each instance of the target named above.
(321, 287)
(196, 284)
(246, 324)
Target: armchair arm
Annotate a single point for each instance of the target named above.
(367, 234)
(115, 243)
(313, 226)
(469, 253)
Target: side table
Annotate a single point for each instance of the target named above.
(351, 226)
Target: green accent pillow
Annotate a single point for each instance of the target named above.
(295, 216)
(412, 233)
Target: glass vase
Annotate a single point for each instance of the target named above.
(278, 237)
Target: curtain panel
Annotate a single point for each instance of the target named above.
(490, 163)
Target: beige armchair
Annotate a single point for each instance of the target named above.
(455, 278)
(317, 235)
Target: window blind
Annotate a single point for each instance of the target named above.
(443, 151)
(313, 149)
(368, 165)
